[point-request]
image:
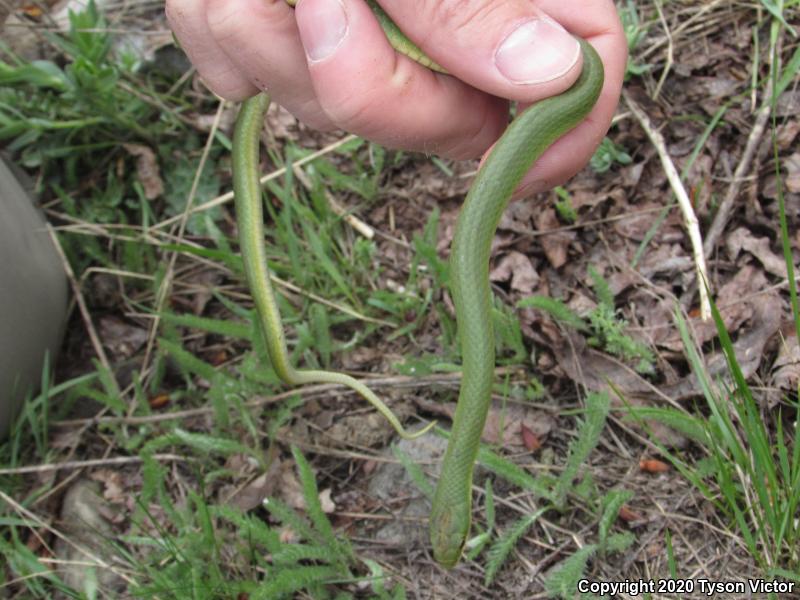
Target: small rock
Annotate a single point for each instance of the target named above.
(84, 526)
(391, 481)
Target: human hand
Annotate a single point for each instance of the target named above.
(330, 65)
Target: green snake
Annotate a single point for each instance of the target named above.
(525, 139)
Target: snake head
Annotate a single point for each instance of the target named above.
(448, 534)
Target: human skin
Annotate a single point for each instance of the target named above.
(329, 63)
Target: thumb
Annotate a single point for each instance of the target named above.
(508, 48)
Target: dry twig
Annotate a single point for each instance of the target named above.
(689, 218)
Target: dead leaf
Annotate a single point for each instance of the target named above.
(518, 217)
(555, 245)
(288, 536)
(504, 423)
(595, 370)
(653, 465)
(67, 438)
(787, 132)
(628, 515)
(732, 306)
(147, 170)
(218, 357)
(32, 11)
(253, 494)
(282, 124)
(743, 239)
(749, 348)
(786, 369)
(121, 338)
(204, 283)
(159, 401)
(530, 440)
(518, 268)
(792, 165)
(113, 487)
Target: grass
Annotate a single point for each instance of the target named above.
(342, 295)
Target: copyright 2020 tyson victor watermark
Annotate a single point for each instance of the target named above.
(706, 587)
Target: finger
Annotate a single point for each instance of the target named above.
(187, 18)
(512, 49)
(260, 37)
(600, 25)
(365, 87)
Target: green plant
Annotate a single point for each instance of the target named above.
(65, 120)
(564, 206)
(751, 468)
(607, 154)
(552, 492)
(184, 562)
(635, 32)
(603, 325)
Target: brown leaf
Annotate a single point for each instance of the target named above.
(555, 245)
(792, 165)
(504, 423)
(253, 494)
(113, 487)
(66, 438)
(147, 170)
(32, 11)
(735, 311)
(218, 358)
(518, 268)
(121, 338)
(786, 369)
(530, 440)
(653, 465)
(628, 515)
(743, 239)
(159, 401)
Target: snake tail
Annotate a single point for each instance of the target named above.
(250, 220)
(526, 138)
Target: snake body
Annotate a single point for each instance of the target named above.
(526, 138)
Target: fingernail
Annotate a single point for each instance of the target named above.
(537, 51)
(323, 27)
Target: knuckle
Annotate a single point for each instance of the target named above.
(352, 113)
(363, 108)
(229, 84)
(223, 19)
(462, 16)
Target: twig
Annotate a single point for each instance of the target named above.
(41, 523)
(166, 283)
(689, 218)
(670, 52)
(84, 310)
(308, 392)
(70, 465)
(228, 196)
(360, 226)
(726, 206)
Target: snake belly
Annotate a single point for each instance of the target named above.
(526, 138)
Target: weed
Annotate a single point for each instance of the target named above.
(604, 327)
(607, 154)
